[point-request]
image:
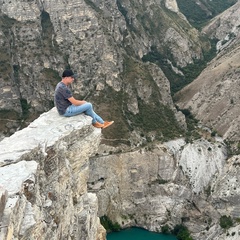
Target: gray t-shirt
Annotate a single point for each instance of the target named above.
(61, 95)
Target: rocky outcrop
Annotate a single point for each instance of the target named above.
(48, 190)
(43, 180)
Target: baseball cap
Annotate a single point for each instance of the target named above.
(69, 73)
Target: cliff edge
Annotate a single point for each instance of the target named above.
(43, 180)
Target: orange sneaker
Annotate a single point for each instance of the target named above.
(107, 124)
(98, 125)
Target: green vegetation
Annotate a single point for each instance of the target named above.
(25, 108)
(153, 115)
(181, 232)
(193, 132)
(233, 147)
(237, 220)
(110, 103)
(190, 72)
(165, 229)
(198, 14)
(226, 222)
(6, 24)
(196, 131)
(109, 225)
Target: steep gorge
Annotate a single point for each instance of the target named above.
(144, 172)
(104, 42)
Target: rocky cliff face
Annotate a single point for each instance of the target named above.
(43, 181)
(104, 42)
(145, 181)
(174, 183)
(56, 181)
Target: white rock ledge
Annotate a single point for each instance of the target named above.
(44, 131)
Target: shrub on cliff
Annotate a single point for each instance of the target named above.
(109, 225)
(226, 222)
(181, 232)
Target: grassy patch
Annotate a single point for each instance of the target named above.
(109, 106)
(155, 117)
(152, 117)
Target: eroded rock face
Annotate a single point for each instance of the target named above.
(43, 180)
(174, 183)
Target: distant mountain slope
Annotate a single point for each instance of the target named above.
(214, 96)
(198, 12)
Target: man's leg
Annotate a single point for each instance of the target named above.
(86, 108)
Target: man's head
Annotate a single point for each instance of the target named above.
(68, 76)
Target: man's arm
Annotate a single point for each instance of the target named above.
(76, 102)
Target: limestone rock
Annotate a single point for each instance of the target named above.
(172, 5)
(59, 189)
(43, 179)
(171, 184)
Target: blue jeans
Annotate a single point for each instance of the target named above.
(86, 108)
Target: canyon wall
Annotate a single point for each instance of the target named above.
(57, 178)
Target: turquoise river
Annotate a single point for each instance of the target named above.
(138, 234)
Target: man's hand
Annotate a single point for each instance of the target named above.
(76, 102)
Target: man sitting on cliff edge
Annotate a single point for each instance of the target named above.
(68, 106)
